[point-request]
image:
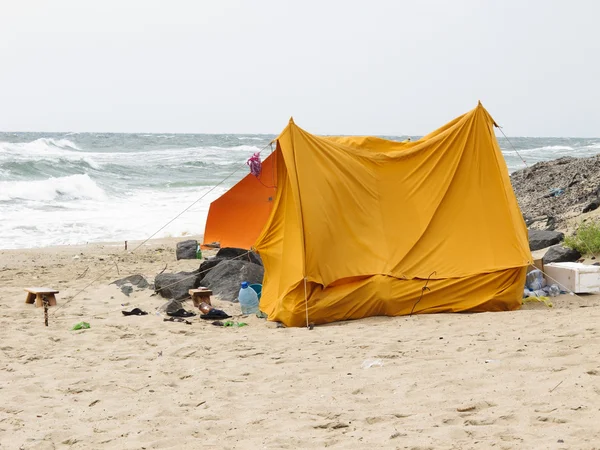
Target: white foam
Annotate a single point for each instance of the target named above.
(135, 217)
(66, 188)
(41, 146)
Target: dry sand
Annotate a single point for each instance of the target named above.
(523, 379)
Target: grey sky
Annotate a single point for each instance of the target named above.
(338, 67)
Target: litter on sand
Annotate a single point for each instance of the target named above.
(368, 363)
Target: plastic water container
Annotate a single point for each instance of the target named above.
(248, 299)
(535, 280)
(552, 290)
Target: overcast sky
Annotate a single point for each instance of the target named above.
(338, 67)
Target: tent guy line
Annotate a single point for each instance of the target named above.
(150, 299)
(159, 230)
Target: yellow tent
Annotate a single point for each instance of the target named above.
(362, 226)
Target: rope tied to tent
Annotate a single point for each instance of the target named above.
(423, 289)
(511, 144)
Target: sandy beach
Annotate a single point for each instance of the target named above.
(523, 379)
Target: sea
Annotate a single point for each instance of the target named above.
(78, 188)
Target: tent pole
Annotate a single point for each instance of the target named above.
(301, 226)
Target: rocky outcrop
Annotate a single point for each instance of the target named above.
(556, 190)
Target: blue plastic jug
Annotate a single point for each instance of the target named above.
(248, 299)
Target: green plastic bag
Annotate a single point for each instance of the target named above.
(81, 326)
(231, 323)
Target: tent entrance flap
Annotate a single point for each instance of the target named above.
(237, 217)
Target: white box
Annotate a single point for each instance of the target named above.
(574, 277)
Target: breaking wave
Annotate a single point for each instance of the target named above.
(74, 187)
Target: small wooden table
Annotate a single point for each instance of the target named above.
(200, 295)
(38, 293)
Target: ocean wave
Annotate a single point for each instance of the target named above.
(545, 148)
(248, 148)
(134, 216)
(251, 138)
(73, 187)
(40, 146)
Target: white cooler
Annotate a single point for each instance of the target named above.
(572, 276)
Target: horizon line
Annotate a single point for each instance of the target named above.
(275, 134)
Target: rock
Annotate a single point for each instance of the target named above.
(539, 239)
(171, 306)
(127, 290)
(207, 265)
(127, 284)
(176, 285)
(558, 253)
(591, 206)
(227, 276)
(578, 180)
(186, 249)
(239, 253)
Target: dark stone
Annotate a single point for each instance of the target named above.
(135, 280)
(172, 306)
(226, 277)
(539, 239)
(126, 284)
(558, 253)
(207, 265)
(239, 253)
(176, 285)
(591, 206)
(127, 289)
(186, 249)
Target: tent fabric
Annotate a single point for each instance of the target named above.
(360, 225)
(237, 217)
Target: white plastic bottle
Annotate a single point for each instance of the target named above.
(248, 299)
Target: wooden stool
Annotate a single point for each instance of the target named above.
(38, 293)
(200, 295)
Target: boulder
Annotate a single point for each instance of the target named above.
(207, 265)
(128, 283)
(558, 253)
(226, 277)
(539, 239)
(239, 253)
(186, 249)
(176, 285)
(171, 306)
(592, 206)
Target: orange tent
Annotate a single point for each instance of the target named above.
(237, 217)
